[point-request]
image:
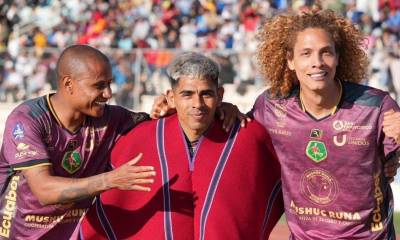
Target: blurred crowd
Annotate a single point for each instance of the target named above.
(142, 36)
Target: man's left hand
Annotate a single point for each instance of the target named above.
(161, 108)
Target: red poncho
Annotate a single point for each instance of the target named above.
(229, 190)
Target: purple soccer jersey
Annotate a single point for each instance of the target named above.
(32, 138)
(332, 168)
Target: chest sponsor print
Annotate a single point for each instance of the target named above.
(321, 189)
(319, 186)
(323, 216)
(281, 132)
(341, 140)
(340, 125)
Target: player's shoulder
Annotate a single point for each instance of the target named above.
(363, 95)
(119, 113)
(267, 102)
(113, 115)
(146, 126)
(267, 96)
(253, 130)
(29, 110)
(115, 109)
(138, 137)
(141, 131)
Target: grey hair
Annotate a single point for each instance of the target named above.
(191, 64)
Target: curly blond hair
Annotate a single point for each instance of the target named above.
(278, 36)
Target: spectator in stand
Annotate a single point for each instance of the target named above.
(40, 41)
(13, 83)
(181, 24)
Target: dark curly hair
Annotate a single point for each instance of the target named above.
(278, 36)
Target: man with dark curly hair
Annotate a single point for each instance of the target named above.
(333, 179)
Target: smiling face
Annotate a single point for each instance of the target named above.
(195, 101)
(314, 59)
(91, 87)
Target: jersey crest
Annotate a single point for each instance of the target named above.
(71, 161)
(316, 151)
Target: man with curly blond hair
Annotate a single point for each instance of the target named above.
(326, 128)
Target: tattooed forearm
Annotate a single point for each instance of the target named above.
(76, 193)
(73, 194)
(50, 189)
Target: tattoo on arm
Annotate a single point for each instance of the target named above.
(72, 193)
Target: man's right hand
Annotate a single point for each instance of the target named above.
(131, 177)
(50, 189)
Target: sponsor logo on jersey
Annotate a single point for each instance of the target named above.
(315, 214)
(340, 125)
(24, 151)
(71, 161)
(316, 133)
(280, 132)
(319, 186)
(22, 146)
(358, 141)
(280, 112)
(316, 151)
(377, 218)
(46, 221)
(18, 131)
(8, 210)
(342, 140)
